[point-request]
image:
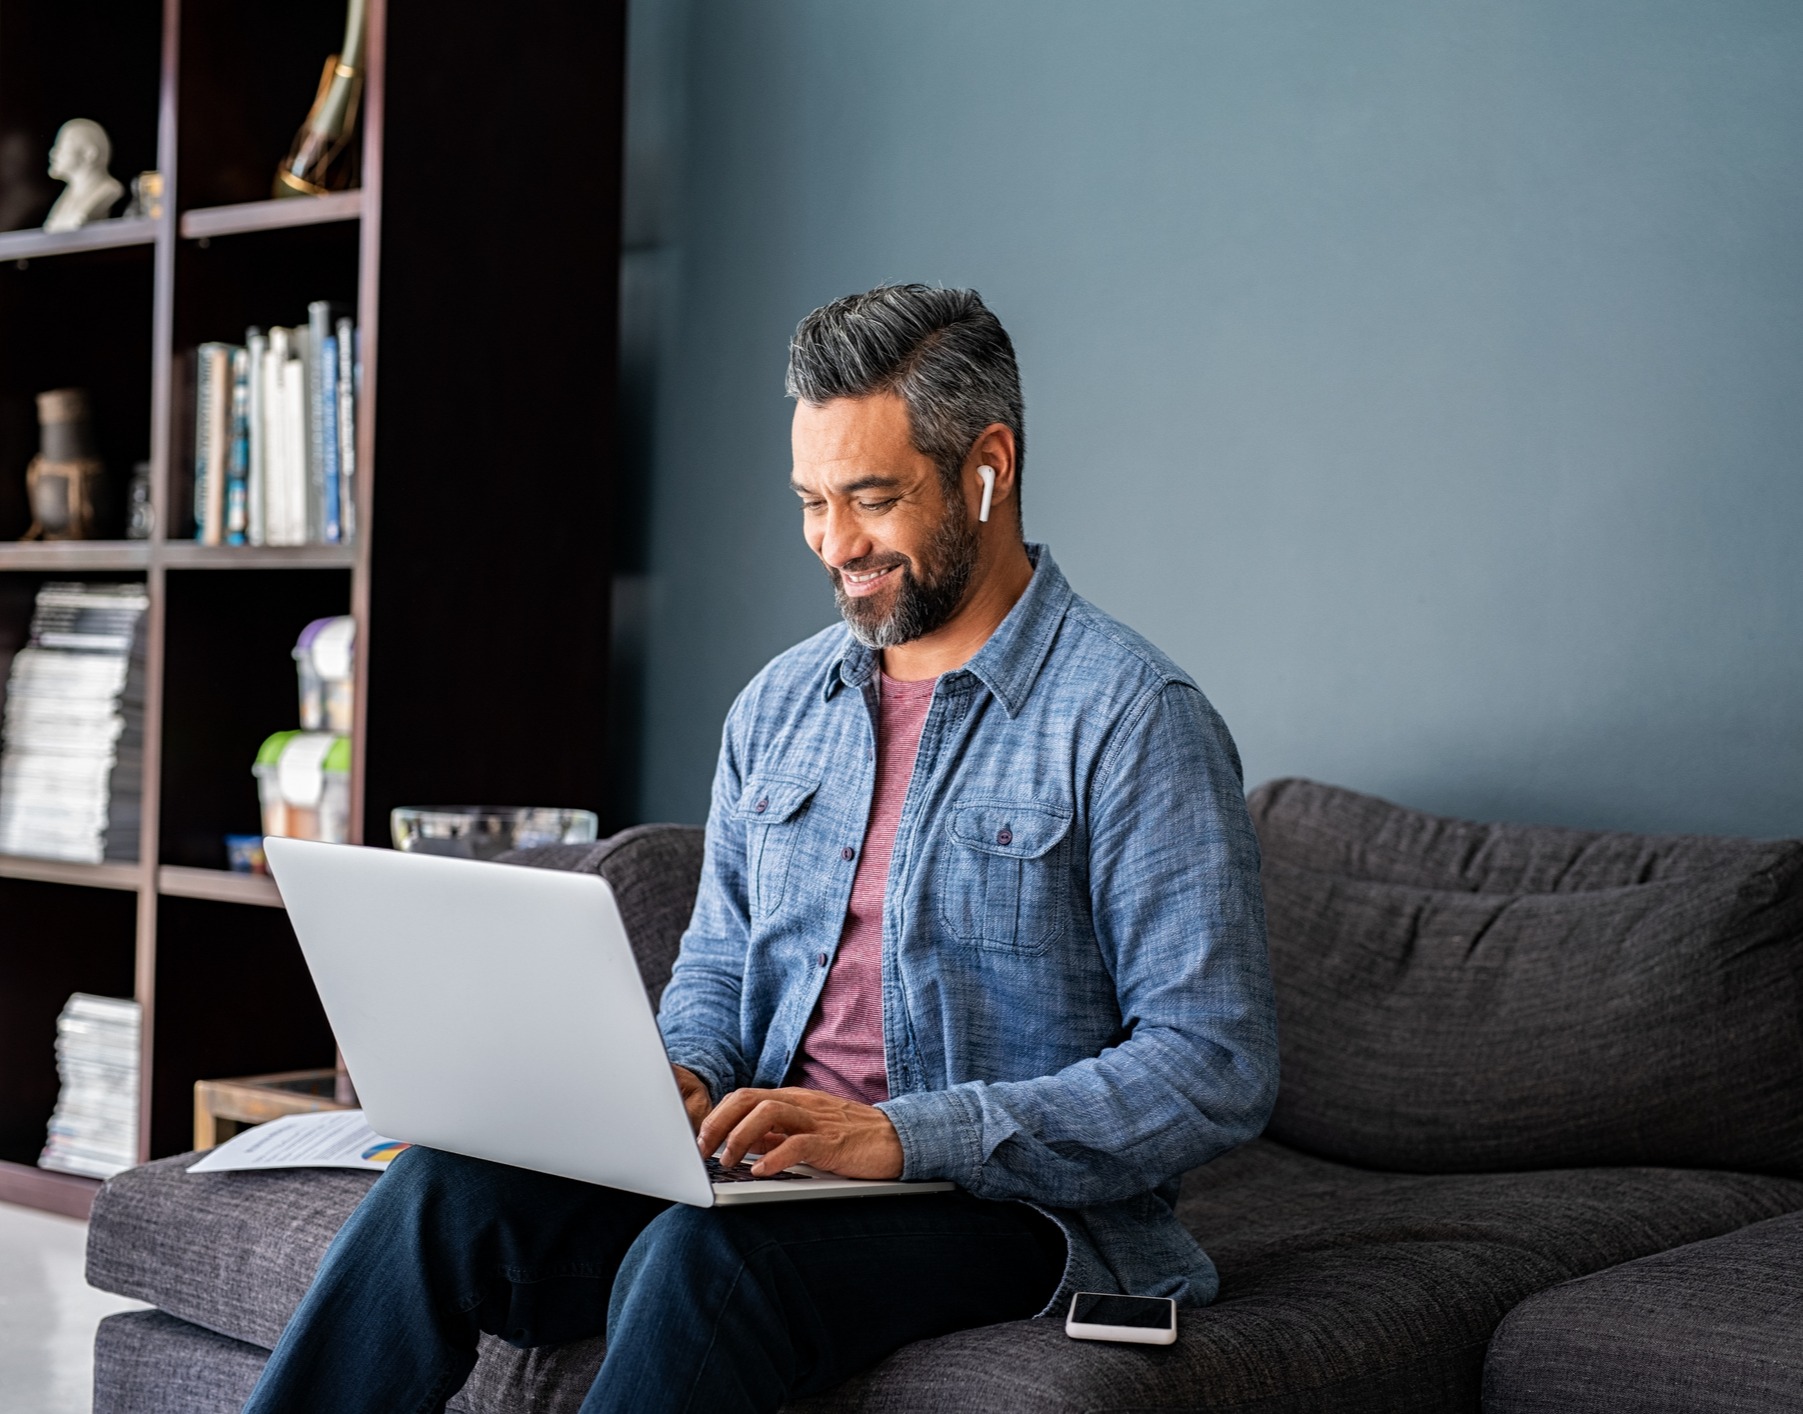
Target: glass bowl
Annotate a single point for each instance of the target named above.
(484, 831)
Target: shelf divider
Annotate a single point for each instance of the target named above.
(59, 556)
(191, 555)
(67, 871)
(33, 244)
(218, 886)
(276, 214)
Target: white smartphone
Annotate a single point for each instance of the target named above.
(1137, 1320)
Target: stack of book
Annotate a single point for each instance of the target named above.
(275, 435)
(94, 1130)
(72, 734)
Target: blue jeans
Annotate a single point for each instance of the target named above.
(716, 1309)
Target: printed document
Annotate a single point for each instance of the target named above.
(327, 1139)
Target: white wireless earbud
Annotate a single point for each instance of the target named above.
(988, 475)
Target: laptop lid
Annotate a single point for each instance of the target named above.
(493, 1011)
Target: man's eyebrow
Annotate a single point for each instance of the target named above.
(873, 482)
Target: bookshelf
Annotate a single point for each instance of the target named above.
(486, 457)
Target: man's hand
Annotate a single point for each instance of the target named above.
(796, 1126)
(695, 1098)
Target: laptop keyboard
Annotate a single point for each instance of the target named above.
(741, 1173)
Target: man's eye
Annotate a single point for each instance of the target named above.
(878, 505)
(809, 507)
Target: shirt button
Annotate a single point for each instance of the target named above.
(823, 959)
(761, 806)
(848, 853)
(1004, 836)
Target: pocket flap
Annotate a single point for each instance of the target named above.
(1013, 828)
(769, 800)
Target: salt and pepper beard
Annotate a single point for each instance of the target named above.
(921, 604)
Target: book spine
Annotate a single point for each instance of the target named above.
(203, 435)
(319, 329)
(256, 344)
(347, 428)
(237, 488)
(294, 433)
(328, 412)
(275, 461)
(219, 440)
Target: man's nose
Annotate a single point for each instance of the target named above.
(844, 539)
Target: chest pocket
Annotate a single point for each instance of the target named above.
(1006, 881)
(773, 810)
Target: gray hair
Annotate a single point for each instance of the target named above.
(941, 351)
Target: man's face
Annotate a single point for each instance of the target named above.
(899, 552)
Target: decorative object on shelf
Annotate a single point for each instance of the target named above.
(139, 518)
(71, 775)
(94, 1130)
(321, 159)
(484, 831)
(324, 661)
(146, 202)
(63, 480)
(304, 782)
(244, 854)
(79, 157)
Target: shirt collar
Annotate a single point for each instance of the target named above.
(1009, 663)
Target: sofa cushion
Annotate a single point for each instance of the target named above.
(1341, 1289)
(233, 1252)
(1454, 996)
(1712, 1328)
(1337, 831)
(147, 1362)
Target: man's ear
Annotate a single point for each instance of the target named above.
(992, 451)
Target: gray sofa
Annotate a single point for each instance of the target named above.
(1542, 1102)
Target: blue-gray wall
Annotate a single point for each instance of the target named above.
(1426, 377)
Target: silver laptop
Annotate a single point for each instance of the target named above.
(497, 1011)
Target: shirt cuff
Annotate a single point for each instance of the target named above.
(707, 1075)
(941, 1135)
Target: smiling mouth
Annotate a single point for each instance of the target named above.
(858, 585)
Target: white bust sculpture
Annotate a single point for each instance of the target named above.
(79, 157)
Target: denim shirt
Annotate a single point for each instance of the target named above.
(1076, 996)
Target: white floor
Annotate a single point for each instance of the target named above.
(47, 1314)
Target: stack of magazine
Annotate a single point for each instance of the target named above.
(72, 734)
(95, 1128)
(275, 435)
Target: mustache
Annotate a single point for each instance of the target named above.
(865, 564)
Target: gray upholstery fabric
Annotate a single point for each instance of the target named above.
(146, 1362)
(1341, 1289)
(1454, 996)
(1712, 1328)
(233, 1252)
(654, 871)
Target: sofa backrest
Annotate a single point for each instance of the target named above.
(654, 871)
(1457, 997)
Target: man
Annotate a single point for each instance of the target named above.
(980, 903)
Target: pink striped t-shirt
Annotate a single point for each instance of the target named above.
(842, 1049)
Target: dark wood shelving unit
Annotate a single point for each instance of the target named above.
(478, 310)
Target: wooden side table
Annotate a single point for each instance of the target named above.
(223, 1107)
